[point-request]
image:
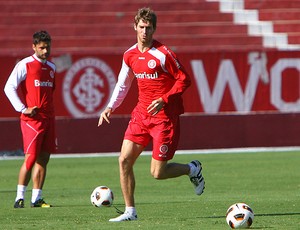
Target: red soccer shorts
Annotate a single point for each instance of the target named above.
(38, 136)
(164, 132)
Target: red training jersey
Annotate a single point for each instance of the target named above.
(37, 82)
(158, 73)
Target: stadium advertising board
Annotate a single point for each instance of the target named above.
(241, 83)
(235, 100)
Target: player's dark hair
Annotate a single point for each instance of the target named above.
(41, 36)
(146, 14)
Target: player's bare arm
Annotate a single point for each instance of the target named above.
(31, 111)
(156, 106)
(105, 116)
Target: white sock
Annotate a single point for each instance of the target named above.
(192, 169)
(36, 195)
(131, 210)
(21, 189)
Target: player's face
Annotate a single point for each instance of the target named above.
(144, 31)
(42, 50)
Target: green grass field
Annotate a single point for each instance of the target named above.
(269, 182)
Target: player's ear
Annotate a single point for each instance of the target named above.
(134, 26)
(33, 47)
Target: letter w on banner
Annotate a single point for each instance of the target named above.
(211, 100)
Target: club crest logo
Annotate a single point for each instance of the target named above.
(151, 64)
(163, 149)
(87, 87)
(52, 74)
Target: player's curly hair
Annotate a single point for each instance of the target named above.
(146, 14)
(41, 36)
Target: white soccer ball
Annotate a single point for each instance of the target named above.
(239, 215)
(102, 196)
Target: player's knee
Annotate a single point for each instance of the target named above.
(43, 158)
(158, 174)
(122, 160)
(125, 162)
(159, 170)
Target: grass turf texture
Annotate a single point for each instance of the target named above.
(268, 182)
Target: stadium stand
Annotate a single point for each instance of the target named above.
(186, 26)
(277, 22)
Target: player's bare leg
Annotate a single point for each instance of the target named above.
(38, 178)
(23, 180)
(24, 174)
(165, 170)
(40, 170)
(129, 153)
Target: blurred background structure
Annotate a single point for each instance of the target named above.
(193, 25)
(243, 57)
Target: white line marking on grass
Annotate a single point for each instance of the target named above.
(193, 151)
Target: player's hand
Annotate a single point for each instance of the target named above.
(105, 116)
(156, 106)
(31, 111)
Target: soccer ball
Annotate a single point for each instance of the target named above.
(239, 215)
(102, 196)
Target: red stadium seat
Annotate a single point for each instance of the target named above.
(106, 26)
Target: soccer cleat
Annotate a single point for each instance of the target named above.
(124, 217)
(40, 203)
(19, 203)
(197, 178)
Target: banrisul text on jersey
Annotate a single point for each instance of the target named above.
(146, 75)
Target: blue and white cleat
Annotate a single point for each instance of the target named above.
(197, 178)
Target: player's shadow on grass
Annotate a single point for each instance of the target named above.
(267, 214)
(279, 214)
(262, 214)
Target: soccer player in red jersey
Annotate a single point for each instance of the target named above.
(36, 78)
(161, 81)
